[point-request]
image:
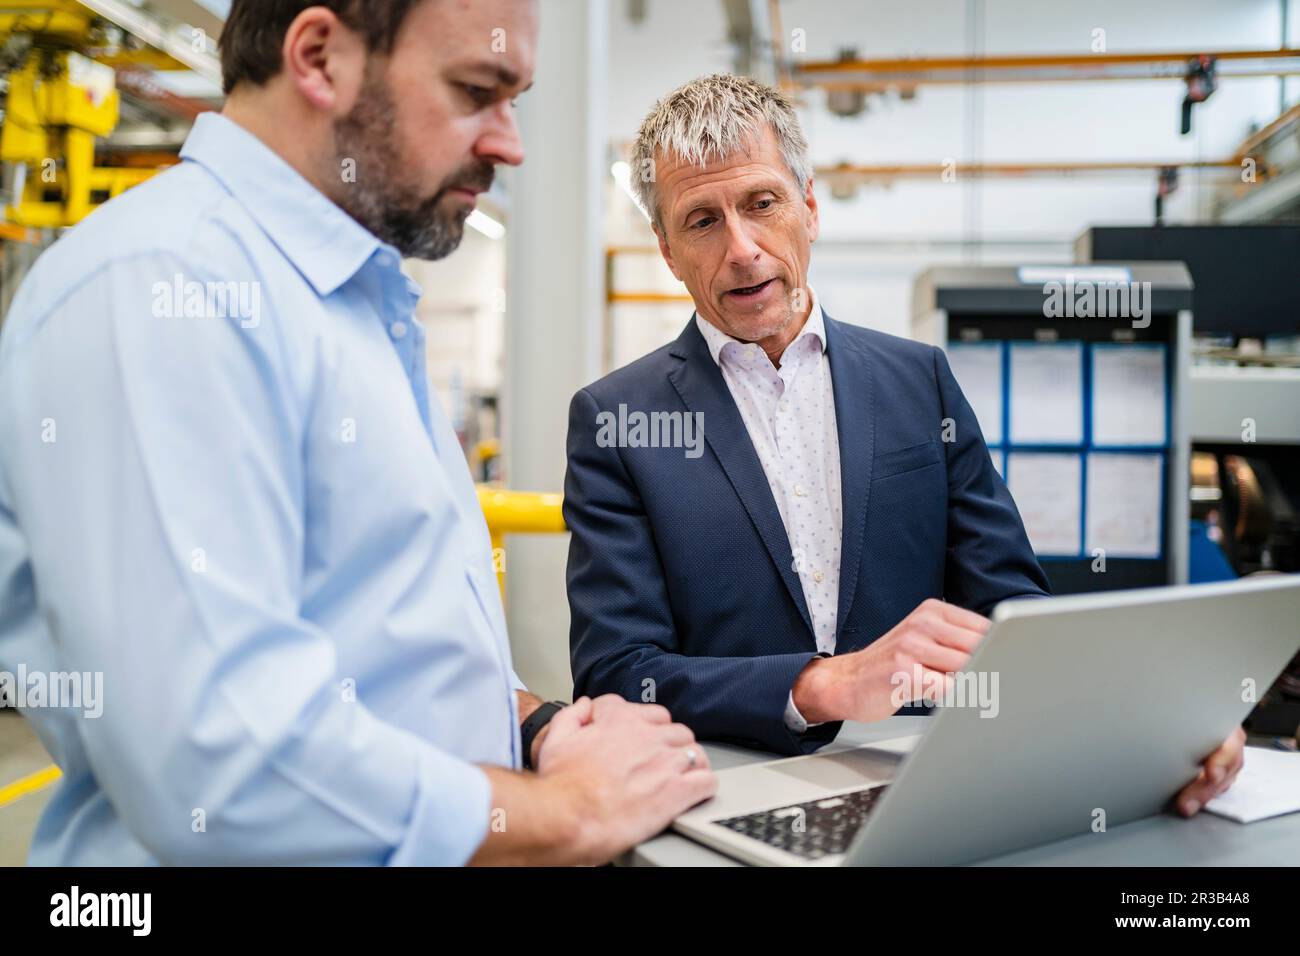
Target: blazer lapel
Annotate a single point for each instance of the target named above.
(855, 424)
(700, 384)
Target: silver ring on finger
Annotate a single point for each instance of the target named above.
(692, 758)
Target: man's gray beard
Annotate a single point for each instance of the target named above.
(377, 199)
(779, 323)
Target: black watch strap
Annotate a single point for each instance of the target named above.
(531, 727)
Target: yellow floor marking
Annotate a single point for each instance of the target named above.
(29, 784)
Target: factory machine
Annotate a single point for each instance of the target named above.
(1243, 386)
(1243, 406)
(60, 99)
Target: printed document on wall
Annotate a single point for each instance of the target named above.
(1124, 504)
(1047, 393)
(1128, 395)
(978, 370)
(1047, 488)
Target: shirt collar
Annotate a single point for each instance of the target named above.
(322, 242)
(717, 340)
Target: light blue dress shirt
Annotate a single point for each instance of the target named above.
(240, 505)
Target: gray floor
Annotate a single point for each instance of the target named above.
(20, 754)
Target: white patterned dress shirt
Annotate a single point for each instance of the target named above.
(789, 413)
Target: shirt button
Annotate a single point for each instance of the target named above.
(397, 330)
(783, 406)
(819, 577)
(798, 490)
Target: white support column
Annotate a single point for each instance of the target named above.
(554, 302)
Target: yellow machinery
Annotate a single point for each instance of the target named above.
(58, 102)
(57, 106)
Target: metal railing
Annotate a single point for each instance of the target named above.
(518, 512)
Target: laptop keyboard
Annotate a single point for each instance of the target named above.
(822, 827)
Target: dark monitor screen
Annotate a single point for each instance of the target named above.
(1245, 276)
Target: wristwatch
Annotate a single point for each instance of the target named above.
(531, 727)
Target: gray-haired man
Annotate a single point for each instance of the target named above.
(830, 541)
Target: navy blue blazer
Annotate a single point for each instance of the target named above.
(682, 586)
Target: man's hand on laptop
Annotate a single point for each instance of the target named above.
(933, 641)
(1217, 774)
(625, 770)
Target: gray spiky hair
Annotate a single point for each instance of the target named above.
(710, 119)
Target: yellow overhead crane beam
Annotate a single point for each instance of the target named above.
(61, 19)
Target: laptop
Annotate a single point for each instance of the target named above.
(1104, 706)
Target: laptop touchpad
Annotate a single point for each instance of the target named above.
(835, 771)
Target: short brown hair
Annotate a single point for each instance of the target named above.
(255, 29)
